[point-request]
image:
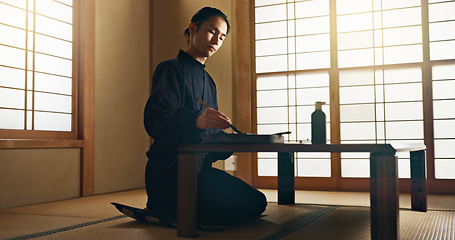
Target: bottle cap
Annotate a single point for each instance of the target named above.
(319, 105)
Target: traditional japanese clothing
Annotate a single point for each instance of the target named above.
(169, 118)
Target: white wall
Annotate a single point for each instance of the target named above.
(121, 91)
(29, 176)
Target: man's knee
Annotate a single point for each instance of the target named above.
(261, 203)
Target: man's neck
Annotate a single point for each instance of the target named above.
(195, 55)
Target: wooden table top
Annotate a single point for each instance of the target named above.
(296, 147)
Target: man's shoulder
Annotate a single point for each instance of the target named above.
(172, 63)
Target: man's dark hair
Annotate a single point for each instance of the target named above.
(204, 14)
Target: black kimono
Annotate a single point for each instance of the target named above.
(169, 118)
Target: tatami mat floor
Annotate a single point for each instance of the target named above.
(95, 218)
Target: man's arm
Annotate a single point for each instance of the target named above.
(165, 117)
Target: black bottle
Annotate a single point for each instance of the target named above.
(318, 125)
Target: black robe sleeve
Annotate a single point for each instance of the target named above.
(169, 118)
(172, 108)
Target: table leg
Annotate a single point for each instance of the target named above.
(418, 181)
(187, 194)
(384, 197)
(286, 190)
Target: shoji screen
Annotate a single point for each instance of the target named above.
(36, 65)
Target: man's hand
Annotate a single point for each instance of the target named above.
(211, 118)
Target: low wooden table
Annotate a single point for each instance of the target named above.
(383, 179)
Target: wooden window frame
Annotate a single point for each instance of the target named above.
(246, 110)
(39, 134)
(82, 135)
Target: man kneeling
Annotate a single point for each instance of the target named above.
(173, 117)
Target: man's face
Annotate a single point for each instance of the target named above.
(209, 37)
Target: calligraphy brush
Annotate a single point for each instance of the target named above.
(230, 125)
